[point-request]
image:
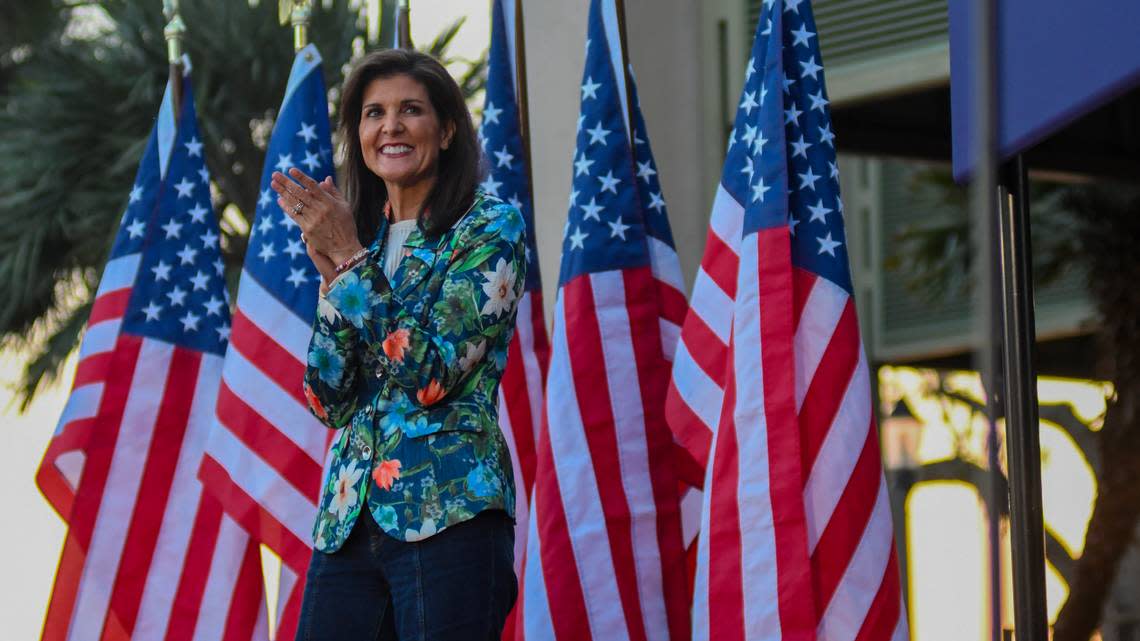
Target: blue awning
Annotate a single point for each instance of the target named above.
(1057, 61)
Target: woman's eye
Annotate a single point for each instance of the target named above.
(411, 109)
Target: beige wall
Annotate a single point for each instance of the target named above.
(673, 80)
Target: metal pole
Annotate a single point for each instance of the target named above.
(1021, 417)
(404, 25)
(985, 265)
(300, 17)
(521, 97)
(619, 8)
(174, 31)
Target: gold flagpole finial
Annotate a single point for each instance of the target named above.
(174, 31)
(299, 13)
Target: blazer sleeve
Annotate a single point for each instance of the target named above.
(332, 364)
(430, 356)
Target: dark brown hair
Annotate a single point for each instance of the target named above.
(459, 165)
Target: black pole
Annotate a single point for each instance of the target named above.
(1023, 446)
(987, 325)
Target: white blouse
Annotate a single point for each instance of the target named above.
(398, 233)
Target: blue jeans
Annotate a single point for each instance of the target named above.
(458, 584)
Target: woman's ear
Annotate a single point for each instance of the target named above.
(448, 134)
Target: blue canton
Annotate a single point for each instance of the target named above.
(502, 141)
(781, 159)
(179, 294)
(605, 229)
(276, 256)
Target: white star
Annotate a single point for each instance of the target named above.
(266, 225)
(152, 311)
(637, 139)
(656, 202)
(788, 82)
(491, 186)
(792, 5)
(573, 197)
(617, 228)
(592, 210)
(173, 229)
(827, 245)
(204, 174)
(194, 147)
(187, 255)
(223, 332)
(491, 114)
(293, 248)
(808, 180)
(749, 134)
(792, 222)
(308, 132)
(219, 266)
(810, 68)
(176, 295)
(767, 28)
(311, 161)
(832, 169)
(267, 252)
(590, 88)
(819, 212)
(758, 190)
(800, 148)
(802, 35)
(581, 121)
(818, 101)
(200, 280)
(264, 199)
(748, 168)
(581, 165)
(296, 276)
(763, 94)
(646, 171)
(284, 162)
(213, 306)
(503, 157)
(609, 183)
(792, 115)
(825, 135)
(597, 134)
(731, 139)
(161, 271)
(190, 321)
(136, 228)
(185, 188)
(751, 70)
(198, 213)
(136, 193)
(576, 239)
(209, 239)
(749, 103)
(515, 202)
(758, 144)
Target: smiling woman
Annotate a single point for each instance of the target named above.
(421, 273)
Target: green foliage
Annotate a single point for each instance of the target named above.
(75, 114)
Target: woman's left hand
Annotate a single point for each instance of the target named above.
(322, 213)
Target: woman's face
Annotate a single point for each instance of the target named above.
(400, 132)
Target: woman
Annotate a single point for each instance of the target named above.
(420, 274)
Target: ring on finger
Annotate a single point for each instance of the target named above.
(303, 239)
(298, 207)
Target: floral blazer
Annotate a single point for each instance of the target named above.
(410, 370)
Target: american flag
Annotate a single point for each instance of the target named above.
(604, 553)
(266, 455)
(796, 528)
(148, 554)
(520, 393)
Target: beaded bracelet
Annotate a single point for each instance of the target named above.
(351, 261)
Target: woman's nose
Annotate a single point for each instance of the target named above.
(391, 125)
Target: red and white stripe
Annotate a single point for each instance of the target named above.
(696, 387)
(604, 553)
(266, 457)
(148, 554)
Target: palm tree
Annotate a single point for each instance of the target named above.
(1095, 227)
(77, 100)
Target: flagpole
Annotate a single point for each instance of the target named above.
(174, 31)
(520, 83)
(619, 9)
(404, 25)
(300, 17)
